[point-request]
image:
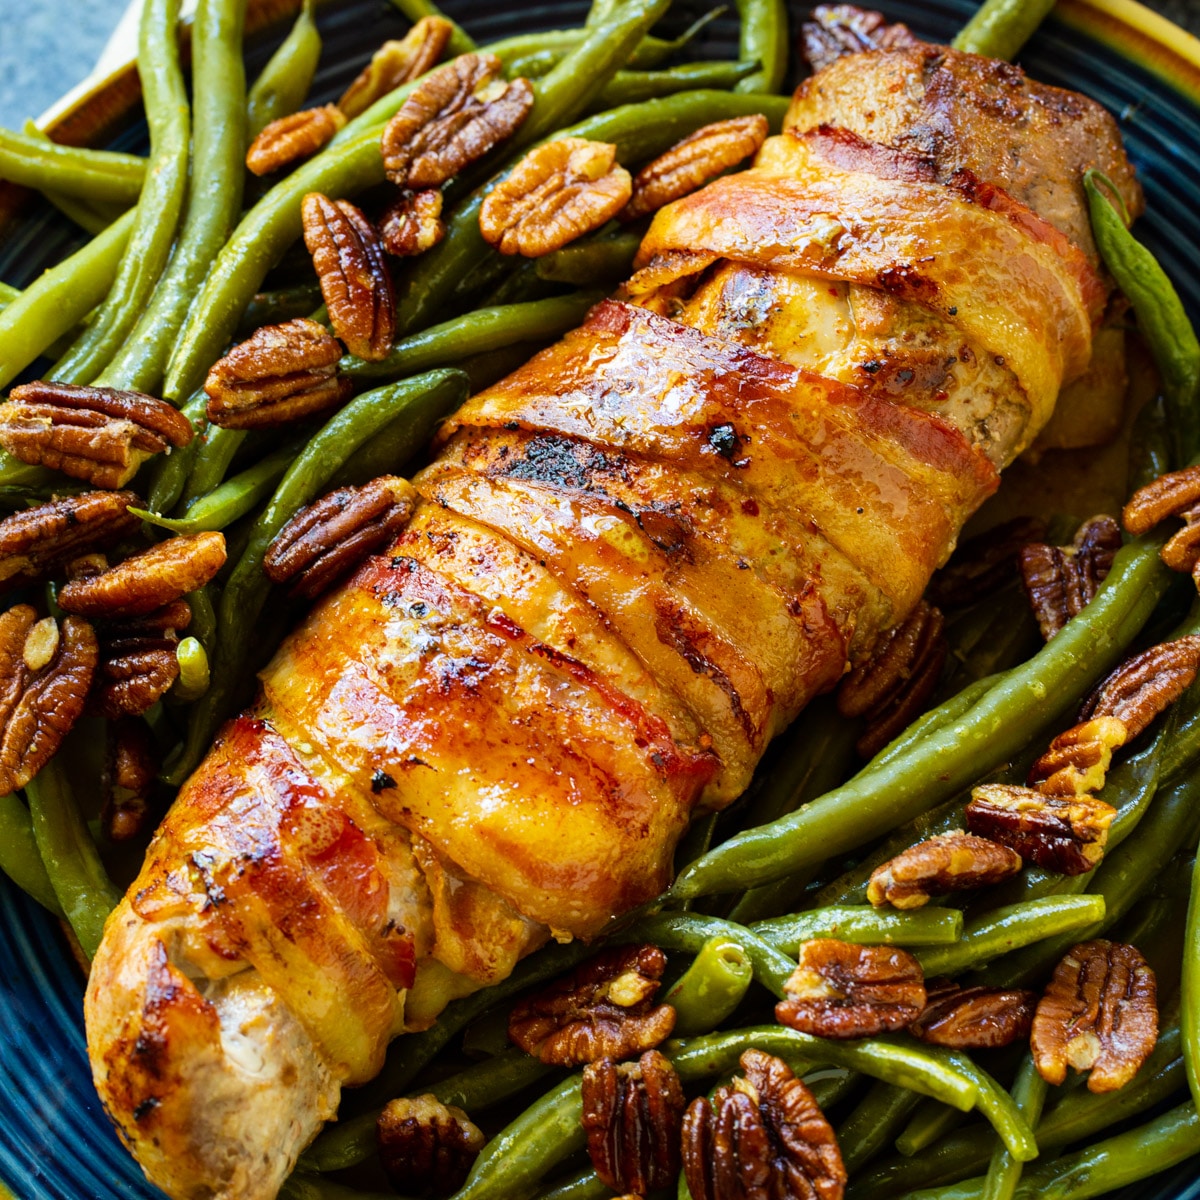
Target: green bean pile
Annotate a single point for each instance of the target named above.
(176, 269)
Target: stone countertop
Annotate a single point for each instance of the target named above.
(48, 46)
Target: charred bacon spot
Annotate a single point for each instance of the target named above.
(905, 281)
(145, 1108)
(380, 781)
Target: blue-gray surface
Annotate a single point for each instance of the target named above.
(46, 47)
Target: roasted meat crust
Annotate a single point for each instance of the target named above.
(630, 565)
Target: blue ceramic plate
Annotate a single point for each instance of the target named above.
(55, 1142)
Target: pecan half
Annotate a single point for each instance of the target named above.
(331, 536)
(762, 1136)
(949, 862)
(397, 62)
(1078, 759)
(603, 1009)
(975, 1018)
(558, 192)
(1176, 494)
(98, 434)
(426, 1147)
(1099, 1014)
(691, 163)
(631, 1114)
(984, 563)
(354, 275)
(37, 540)
(837, 29)
(44, 683)
(130, 773)
(839, 990)
(297, 136)
(1061, 580)
(138, 663)
(149, 580)
(1064, 834)
(1145, 685)
(280, 373)
(895, 683)
(453, 117)
(413, 224)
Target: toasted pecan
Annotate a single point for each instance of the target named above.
(1057, 833)
(138, 660)
(975, 1018)
(893, 686)
(427, 1148)
(43, 689)
(841, 990)
(1061, 580)
(837, 29)
(454, 116)
(603, 1009)
(946, 863)
(38, 540)
(413, 224)
(396, 63)
(984, 563)
(1145, 685)
(98, 434)
(281, 373)
(147, 581)
(692, 162)
(632, 1114)
(1099, 1014)
(354, 275)
(558, 192)
(764, 1136)
(331, 536)
(131, 768)
(1078, 759)
(297, 136)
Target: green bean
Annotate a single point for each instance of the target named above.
(690, 931)
(161, 199)
(583, 1185)
(70, 170)
(633, 87)
(59, 299)
(1190, 987)
(89, 218)
(931, 1121)
(763, 39)
(73, 865)
(214, 193)
(169, 472)
(19, 856)
(283, 83)
(479, 331)
(1000, 28)
(299, 1186)
(711, 988)
(353, 1141)
(211, 462)
(1003, 930)
(865, 925)
(1162, 318)
(233, 499)
(460, 42)
(929, 1070)
(874, 1122)
(203, 625)
(1029, 1095)
(1103, 1167)
(640, 131)
(424, 400)
(1031, 697)
(590, 262)
(273, 308)
(546, 1133)
(193, 671)
(1121, 880)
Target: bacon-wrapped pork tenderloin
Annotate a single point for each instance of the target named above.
(634, 561)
